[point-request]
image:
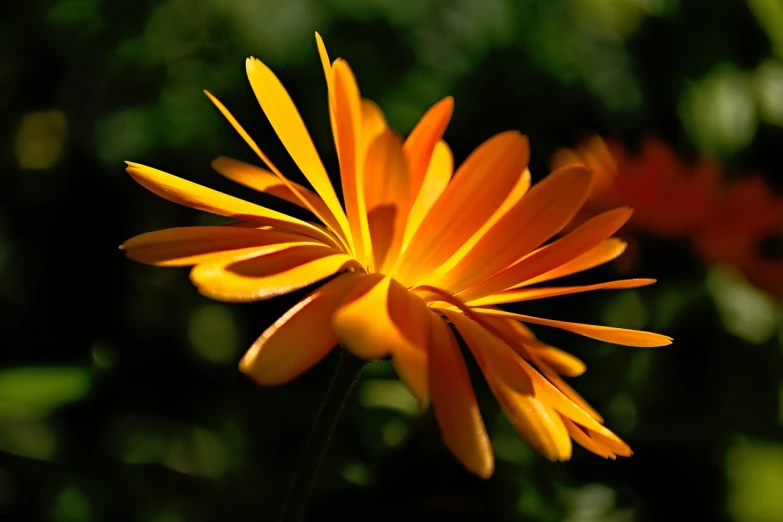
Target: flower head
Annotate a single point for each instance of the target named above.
(669, 196)
(416, 253)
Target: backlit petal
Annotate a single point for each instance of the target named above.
(423, 138)
(477, 190)
(288, 124)
(350, 151)
(583, 239)
(434, 183)
(300, 338)
(608, 334)
(386, 177)
(608, 250)
(328, 218)
(199, 197)
(258, 277)
(378, 318)
(373, 121)
(528, 294)
(491, 352)
(542, 213)
(187, 246)
(454, 402)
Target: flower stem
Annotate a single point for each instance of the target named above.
(345, 376)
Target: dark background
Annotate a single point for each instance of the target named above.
(120, 398)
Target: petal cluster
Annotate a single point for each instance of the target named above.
(416, 256)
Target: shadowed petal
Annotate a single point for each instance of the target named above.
(300, 338)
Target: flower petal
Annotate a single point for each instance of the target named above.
(186, 246)
(300, 338)
(199, 197)
(285, 119)
(386, 173)
(581, 437)
(477, 190)
(378, 318)
(421, 142)
(606, 251)
(574, 244)
(264, 181)
(608, 334)
(528, 294)
(434, 183)
(491, 352)
(350, 152)
(258, 277)
(454, 402)
(373, 121)
(328, 218)
(541, 214)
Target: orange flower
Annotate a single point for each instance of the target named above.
(748, 215)
(413, 251)
(669, 197)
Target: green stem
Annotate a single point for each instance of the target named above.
(345, 376)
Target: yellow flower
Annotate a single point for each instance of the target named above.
(414, 252)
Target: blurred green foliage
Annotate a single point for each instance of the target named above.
(119, 394)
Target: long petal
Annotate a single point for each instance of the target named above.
(608, 334)
(542, 213)
(327, 218)
(477, 190)
(606, 251)
(528, 294)
(186, 246)
(199, 197)
(454, 402)
(434, 183)
(350, 152)
(386, 173)
(265, 181)
(373, 121)
(421, 142)
(258, 277)
(378, 318)
(581, 437)
(288, 124)
(578, 242)
(489, 351)
(300, 338)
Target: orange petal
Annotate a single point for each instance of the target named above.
(350, 152)
(537, 422)
(422, 141)
(578, 242)
(491, 352)
(379, 317)
(196, 196)
(528, 294)
(373, 121)
(454, 402)
(328, 218)
(258, 277)
(300, 338)
(186, 246)
(329, 74)
(608, 250)
(527, 346)
(386, 173)
(288, 124)
(444, 273)
(434, 183)
(477, 190)
(581, 437)
(608, 334)
(264, 181)
(542, 213)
